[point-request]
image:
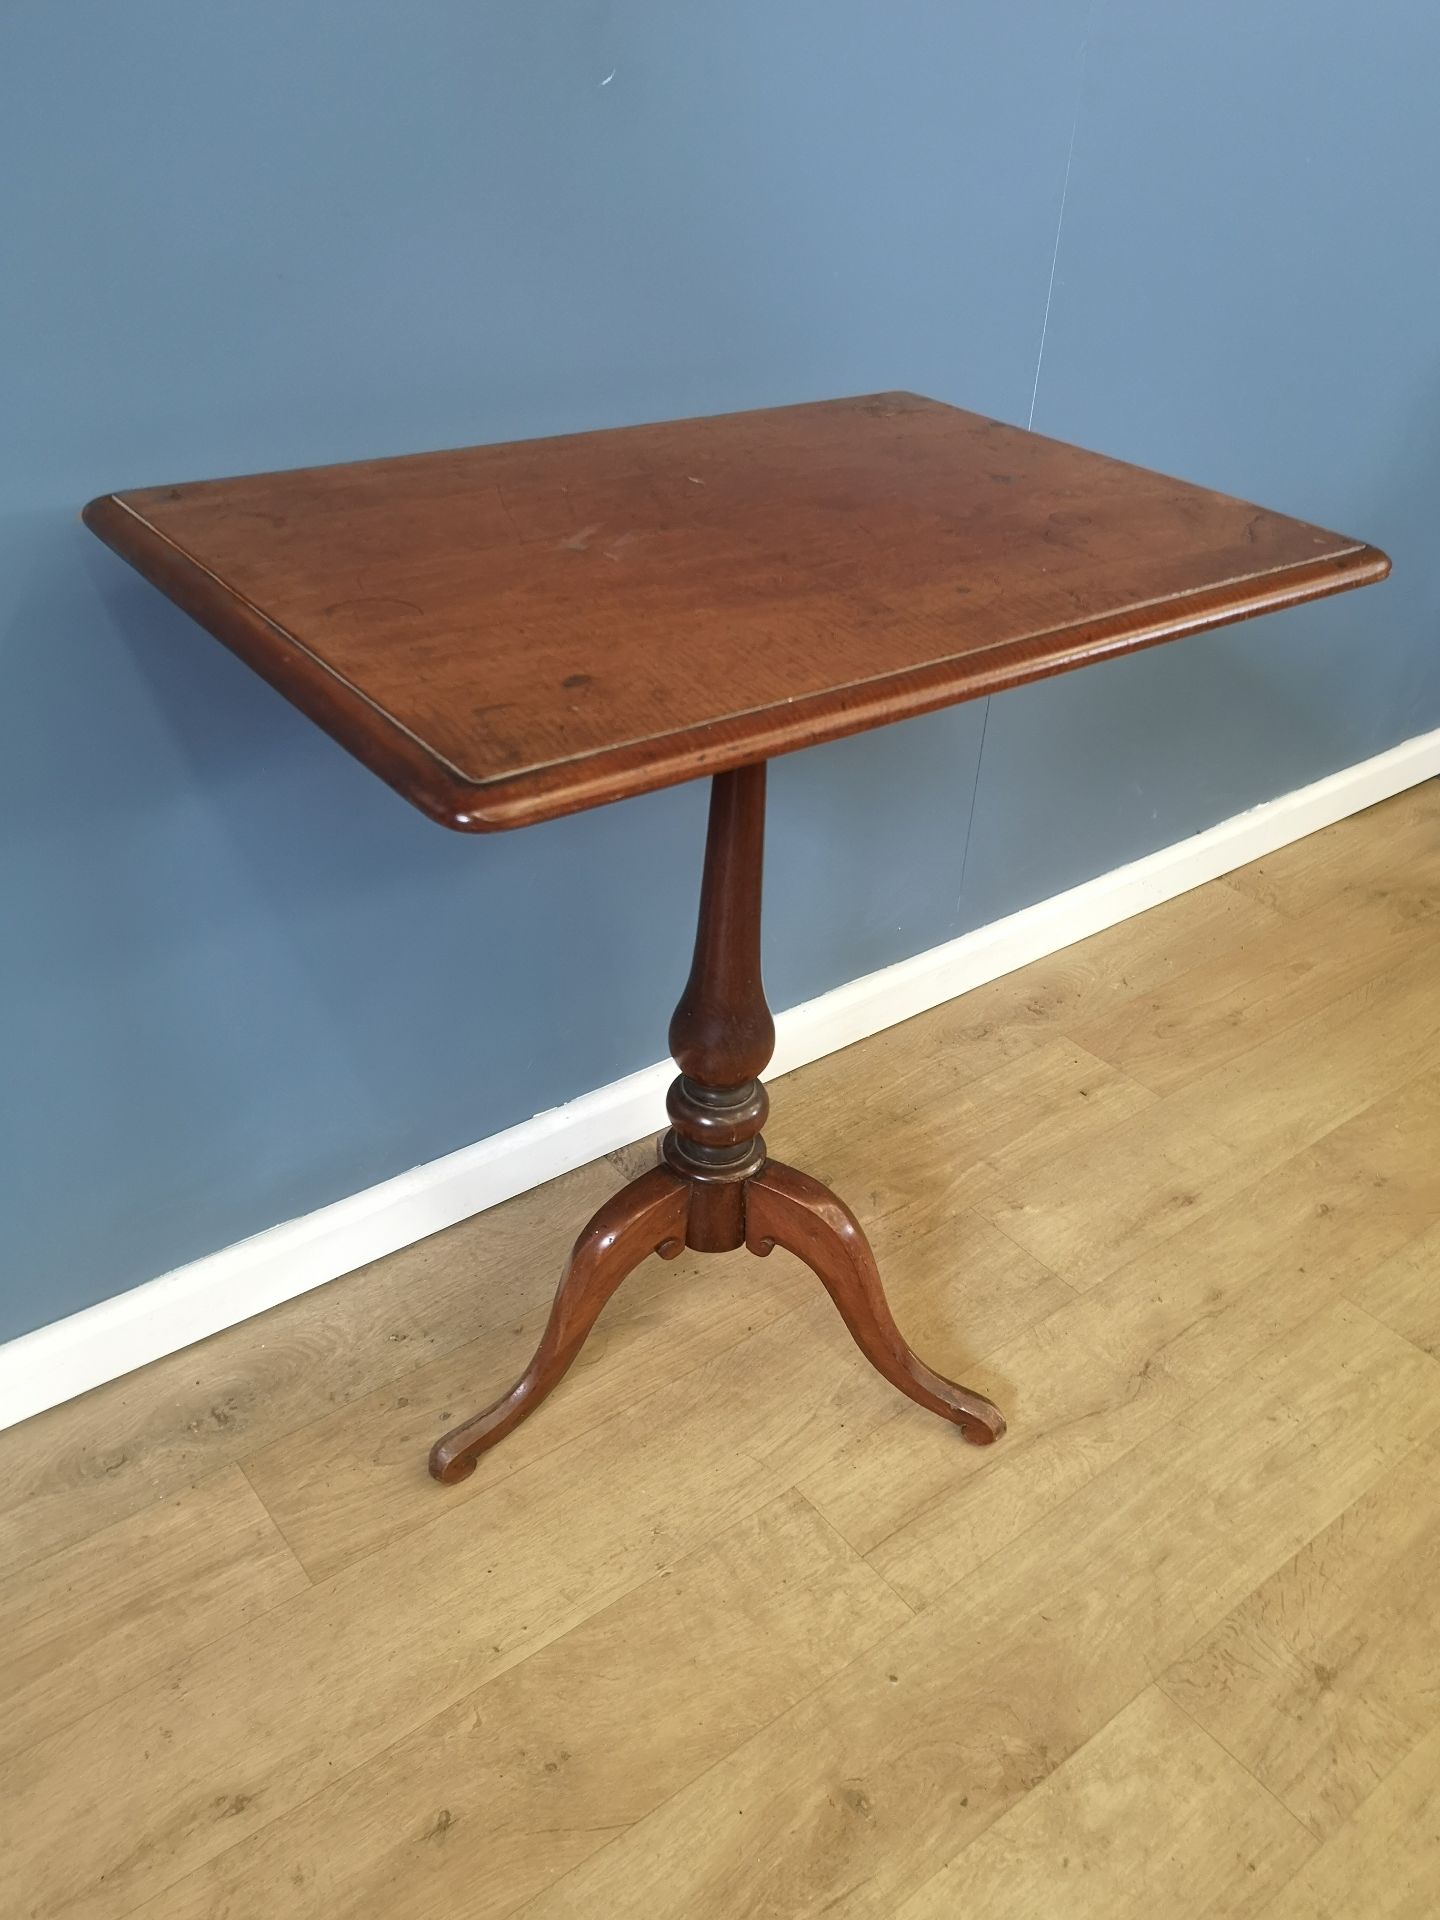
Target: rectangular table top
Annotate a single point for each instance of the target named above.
(513, 632)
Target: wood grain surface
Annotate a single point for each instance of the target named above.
(731, 1627)
(512, 632)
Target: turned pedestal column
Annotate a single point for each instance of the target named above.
(715, 1188)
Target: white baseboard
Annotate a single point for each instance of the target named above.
(56, 1362)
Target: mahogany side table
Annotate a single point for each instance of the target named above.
(510, 633)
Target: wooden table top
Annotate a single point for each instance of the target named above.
(513, 632)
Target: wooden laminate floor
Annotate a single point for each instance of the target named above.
(731, 1629)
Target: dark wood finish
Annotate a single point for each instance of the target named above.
(722, 1030)
(646, 1217)
(722, 1034)
(787, 1209)
(715, 1189)
(509, 633)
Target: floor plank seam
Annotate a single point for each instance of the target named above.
(1425, 1440)
(310, 1580)
(497, 1473)
(1050, 1268)
(1352, 1819)
(1311, 1398)
(1273, 1028)
(1394, 1333)
(853, 1552)
(1071, 1759)
(995, 1462)
(1146, 1680)
(1186, 1411)
(1214, 1738)
(687, 1786)
(1194, 1217)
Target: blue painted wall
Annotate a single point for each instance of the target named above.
(239, 978)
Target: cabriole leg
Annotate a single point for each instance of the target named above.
(787, 1209)
(646, 1217)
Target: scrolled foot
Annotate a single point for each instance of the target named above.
(646, 1217)
(786, 1208)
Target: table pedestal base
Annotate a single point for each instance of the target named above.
(715, 1188)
